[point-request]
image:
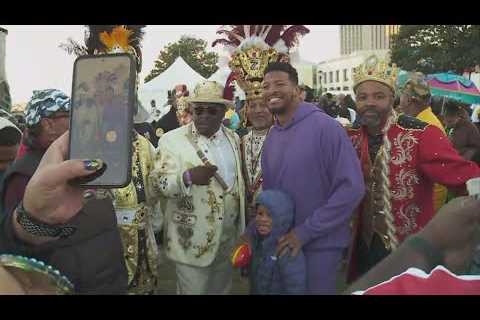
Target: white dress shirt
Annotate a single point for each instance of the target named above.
(219, 152)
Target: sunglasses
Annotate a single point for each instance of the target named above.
(60, 115)
(211, 111)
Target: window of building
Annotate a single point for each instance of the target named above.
(338, 88)
(345, 76)
(330, 78)
(337, 76)
(325, 78)
(346, 88)
(361, 38)
(372, 38)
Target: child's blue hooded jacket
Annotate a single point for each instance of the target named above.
(268, 274)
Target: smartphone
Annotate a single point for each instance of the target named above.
(101, 118)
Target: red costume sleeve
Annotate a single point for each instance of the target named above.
(416, 282)
(441, 163)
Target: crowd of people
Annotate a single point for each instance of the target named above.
(300, 185)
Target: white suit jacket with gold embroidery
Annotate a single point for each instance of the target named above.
(193, 225)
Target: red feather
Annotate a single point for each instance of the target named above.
(293, 34)
(274, 34)
(231, 39)
(229, 88)
(289, 35)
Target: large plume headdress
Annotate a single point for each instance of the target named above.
(110, 39)
(252, 48)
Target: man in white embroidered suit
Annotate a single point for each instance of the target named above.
(202, 194)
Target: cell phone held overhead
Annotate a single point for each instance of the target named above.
(101, 120)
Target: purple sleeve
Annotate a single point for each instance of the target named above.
(347, 188)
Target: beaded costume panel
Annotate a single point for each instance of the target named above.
(134, 207)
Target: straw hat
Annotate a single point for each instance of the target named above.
(210, 92)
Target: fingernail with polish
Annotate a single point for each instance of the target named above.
(93, 165)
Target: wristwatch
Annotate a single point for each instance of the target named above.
(41, 229)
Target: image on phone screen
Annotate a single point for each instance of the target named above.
(101, 118)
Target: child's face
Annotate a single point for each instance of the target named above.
(263, 221)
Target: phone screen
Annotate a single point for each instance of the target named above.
(103, 96)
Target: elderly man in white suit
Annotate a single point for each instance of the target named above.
(202, 194)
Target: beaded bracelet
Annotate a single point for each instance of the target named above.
(188, 178)
(433, 256)
(60, 282)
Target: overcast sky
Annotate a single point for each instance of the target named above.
(34, 60)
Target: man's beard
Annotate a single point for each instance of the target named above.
(279, 111)
(371, 122)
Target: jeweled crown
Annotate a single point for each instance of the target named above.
(249, 66)
(253, 47)
(374, 69)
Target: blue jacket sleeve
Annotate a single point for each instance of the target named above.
(293, 274)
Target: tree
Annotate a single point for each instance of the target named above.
(193, 51)
(436, 48)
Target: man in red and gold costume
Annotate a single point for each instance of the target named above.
(402, 157)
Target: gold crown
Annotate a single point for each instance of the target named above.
(249, 67)
(374, 69)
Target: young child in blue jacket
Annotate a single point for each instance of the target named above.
(268, 273)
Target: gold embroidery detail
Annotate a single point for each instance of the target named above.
(404, 143)
(405, 180)
(185, 203)
(214, 206)
(208, 246)
(185, 234)
(408, 219)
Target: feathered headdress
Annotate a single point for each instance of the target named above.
(253, 47)
(109, 39)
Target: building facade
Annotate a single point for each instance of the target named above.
(365, 37)
(357, 42)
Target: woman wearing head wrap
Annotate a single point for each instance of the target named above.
(95, 225)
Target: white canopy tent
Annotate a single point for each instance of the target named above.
(178, 73)
(221, 76)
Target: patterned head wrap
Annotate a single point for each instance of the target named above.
(415, 86)
(45, 103)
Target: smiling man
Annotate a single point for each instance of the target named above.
(401, 158)
(308, 155)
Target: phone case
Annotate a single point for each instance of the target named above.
(96, 181)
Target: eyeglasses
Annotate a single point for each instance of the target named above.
(211, 111)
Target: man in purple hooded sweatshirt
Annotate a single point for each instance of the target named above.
(309, 155)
